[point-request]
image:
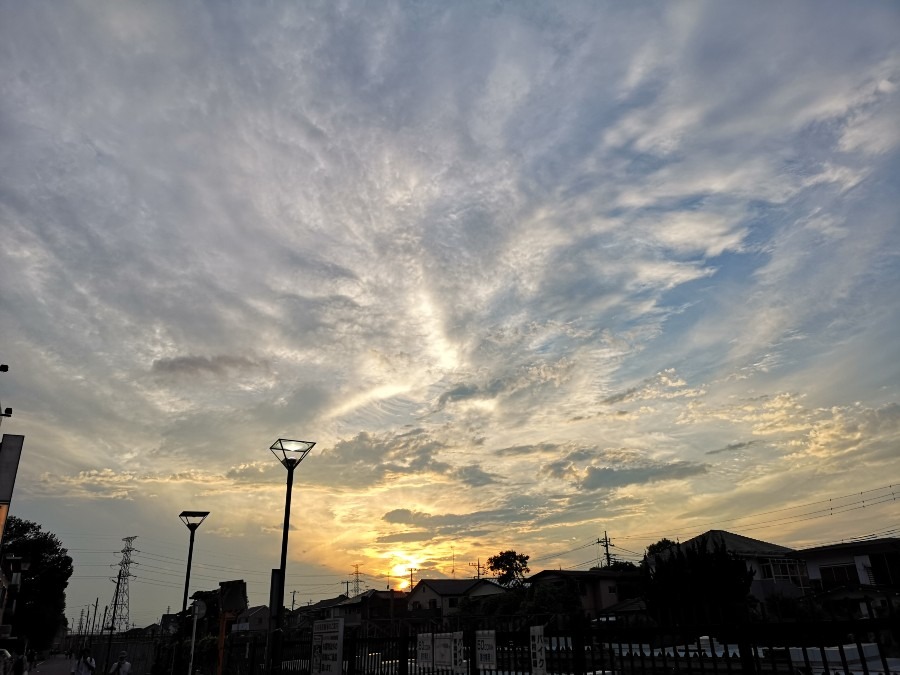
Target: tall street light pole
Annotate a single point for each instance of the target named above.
(290, 453)
(192, 519)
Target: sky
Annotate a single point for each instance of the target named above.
(526, 272)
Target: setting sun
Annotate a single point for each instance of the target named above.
(401, 566)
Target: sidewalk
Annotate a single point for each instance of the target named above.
(54, 665)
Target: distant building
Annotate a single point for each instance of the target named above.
(438, 598)
(596, 589)
(252, 619)
(306, 615)
(373, 610)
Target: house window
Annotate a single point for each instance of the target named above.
(783, 569)
(839, 575)
(417, 605)
(454, 602)
(612, 589)
(582, 589)
(432, 604)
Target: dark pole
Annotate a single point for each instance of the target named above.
(187, 578)
(279, 607)
(112, 622)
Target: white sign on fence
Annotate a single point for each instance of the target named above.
(328, 647)
(443, 650)
(424, 652)
(459, 654)
(538, 651)
(486, 649)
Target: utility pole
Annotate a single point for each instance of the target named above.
(605, 543)
(479, 568)
(411, 570)
(293, 595)
(94, 620)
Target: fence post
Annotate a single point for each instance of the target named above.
(578, 644)
(403, 650)
(469, 645)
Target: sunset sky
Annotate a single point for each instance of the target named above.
(527, 272)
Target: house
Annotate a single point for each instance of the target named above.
(252, 619)
(441, 597)
(869, 562)
(372, 608)
(596, 589)
(775, 571)
(323, 609)
(864, 574)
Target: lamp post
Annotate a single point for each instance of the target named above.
(192, 519)
(290, 453)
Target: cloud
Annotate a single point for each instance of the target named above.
(601, 478)
(732, 447)
(193, 366)
(544, 259)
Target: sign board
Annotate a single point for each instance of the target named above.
(459, 654)
(443, 650)
(10, 452)
(486, 649)
(424, 652)
(449, 651)
(538, 651)
(328, 647)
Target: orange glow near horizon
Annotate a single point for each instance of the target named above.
(399, 570)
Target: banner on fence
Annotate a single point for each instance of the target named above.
(443, 650)
(486, 649)
(449, 651)
(459, 654)
(424, 653)
(538, 653)
(328, 647)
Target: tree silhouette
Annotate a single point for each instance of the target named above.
(696, 583)
(511, 568)
(41, 601)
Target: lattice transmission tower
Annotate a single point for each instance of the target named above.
(120, 620)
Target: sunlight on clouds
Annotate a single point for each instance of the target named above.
(443, 352)
(575, 267)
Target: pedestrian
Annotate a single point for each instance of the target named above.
(31, 657)
(85, 665)
(19, 665)
(122, 666)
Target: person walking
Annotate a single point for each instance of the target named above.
(122, 666)
(85, 665)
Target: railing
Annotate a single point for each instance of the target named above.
(574, 646)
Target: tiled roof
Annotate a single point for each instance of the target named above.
(863, 545)
(739, 544)
(446, 587)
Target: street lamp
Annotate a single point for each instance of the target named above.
(290, 453)
(192, 519)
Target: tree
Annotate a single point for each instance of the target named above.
(41, 601)
(511, 568)
(661, 546)
(690, 584)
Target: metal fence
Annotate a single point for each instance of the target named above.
(577, 647)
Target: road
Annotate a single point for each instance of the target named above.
(54, 665)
